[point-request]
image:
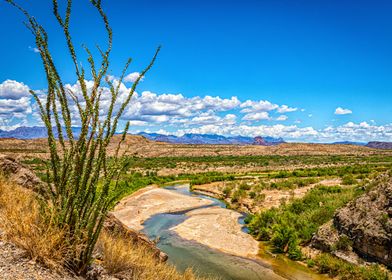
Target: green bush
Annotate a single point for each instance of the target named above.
(245, 187)
(349, 180)
(237, 195)
(335, 267)
(344, 243)
(252, 195)
(300, 218)
(227, 191)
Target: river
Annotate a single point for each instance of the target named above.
(210, 262)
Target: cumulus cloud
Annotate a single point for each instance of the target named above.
(132, 77)
(341, 111)
(286, 109)
(282, 118)
(256, 116)
(257, 106)
(15, 104)
(13, 90)
(288, 132)
(362, 131)
(200, 114)
(177, 107)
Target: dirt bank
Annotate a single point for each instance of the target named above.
(218, 228)
(135, 209)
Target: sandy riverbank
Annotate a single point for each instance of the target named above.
(214, 227)
(135, 209)
(218, 228)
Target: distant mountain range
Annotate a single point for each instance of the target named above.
(213, 139)
(40, 132)
(34, 132)
(350, 143)
(380, 145)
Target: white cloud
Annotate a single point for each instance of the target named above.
(286, 109)
(10, 89)
(341, 111)
(15, 104)
(356, 132)
(138, 123)
(256, 116)
(180, 114)
(132, 77)
(34, 49)
(288, 132)
(177, 107)
(257, 106)
(282, 118)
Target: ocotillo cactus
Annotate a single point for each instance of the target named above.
(81, 176)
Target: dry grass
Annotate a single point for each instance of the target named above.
(134, 262)
(22, 222)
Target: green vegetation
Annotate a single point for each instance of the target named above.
(267, 162)
(291, 183)
(344, 243)
(209, 177)
(294, 223)
(81, 178)
(335, 267)
(340, 171)
(349, 180)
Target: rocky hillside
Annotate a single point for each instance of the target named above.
(380, 145)
(366, 221)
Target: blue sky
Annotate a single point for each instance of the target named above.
(329, 62)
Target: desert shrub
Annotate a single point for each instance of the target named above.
(310, 263)
(81, 175)
(301, 217)
(227, 191)
(335, 267)
(209, 177)
(344, 243)
(237, 195)
(260, 198)
(348, 180)
(245, 187)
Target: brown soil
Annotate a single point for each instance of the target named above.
(273, 198)
(140, 146)
(14, 264)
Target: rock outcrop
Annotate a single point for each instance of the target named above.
(20, 174)
(366, 221)
(326, 237)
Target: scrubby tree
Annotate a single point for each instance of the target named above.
(82, 176)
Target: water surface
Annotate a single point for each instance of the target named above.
(210, 262)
